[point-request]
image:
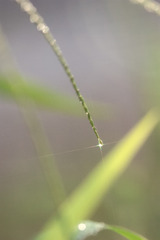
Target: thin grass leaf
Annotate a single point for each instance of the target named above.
(45, 98)
(125, 233)
(83, 202)
(149, 5)
(40, 96)
(13, 84)
(28, 7)
(89, 228)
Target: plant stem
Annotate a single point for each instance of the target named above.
(149, 5)
(35, 18)
(39, 139)
(42, 146)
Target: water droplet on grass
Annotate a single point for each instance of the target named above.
(82, 226)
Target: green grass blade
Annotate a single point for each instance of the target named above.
(125, 233)
(40, 96)
(45, 98)
(83, 202)
(89, 228)
(45, 31)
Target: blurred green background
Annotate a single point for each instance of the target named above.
(113, 49)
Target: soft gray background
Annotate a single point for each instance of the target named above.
(106, 44)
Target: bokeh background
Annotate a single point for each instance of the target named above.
(113, 49)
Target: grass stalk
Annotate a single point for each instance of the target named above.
(39, 139)
(149, 5)
(36, 18)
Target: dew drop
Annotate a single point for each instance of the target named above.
(100, 143)
(82, 226)
(53, 42)
(27, 7)
(34, 18)
(42, 28)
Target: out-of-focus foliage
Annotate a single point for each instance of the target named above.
(89, 228)
(139, 59)
(43, 97)
(83, 202)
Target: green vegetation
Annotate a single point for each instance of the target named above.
(70, 222)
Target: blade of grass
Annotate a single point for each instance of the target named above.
(40, 141)
(89, 228)
(27, 108)
(45, 98)
(40, 96)
(125, 232)
(149, 5)
(28, 7)
(48, 165)
(83, 202)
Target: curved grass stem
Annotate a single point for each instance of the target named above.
(37, 134)
(35, 18)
